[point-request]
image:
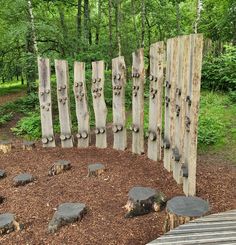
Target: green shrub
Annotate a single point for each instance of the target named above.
(219, 73)
(5, 118)
(29, 126)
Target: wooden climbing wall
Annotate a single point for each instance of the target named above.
(182, 95)
(157, 59)
(138, 75)
(191, 119)
(118, 105)
(45, 102)
(99, 104)
(62, 75)
(82, 110)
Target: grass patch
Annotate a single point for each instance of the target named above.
(11, 87)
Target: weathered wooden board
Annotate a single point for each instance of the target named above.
(170, 91)
(99, 104)
(157, 59)
(45, 102)
(202, 231)
(119, 118)
(192, 111)
(62, 75)
(82, 110)
(181, 93)
(138, 74)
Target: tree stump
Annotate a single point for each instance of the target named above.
(182, 209)
(59, 167)
(5, 146)
(28, 145)
(2, 174)
(23, 179)
(95, 169)
(67, 213)
(143, 200)
(8, 223)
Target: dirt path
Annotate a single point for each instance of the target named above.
(11, 97)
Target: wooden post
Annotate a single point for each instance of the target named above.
(181, 93)
(157, 58)
(138, 74)
(119, 118)
(82, 110)
(99, 104)
(45, 103)
(62, 75)
(191, 119)
(170, 90)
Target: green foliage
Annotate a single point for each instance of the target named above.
(11, 87)
(5, 118)
(219, 73)
(29, 126)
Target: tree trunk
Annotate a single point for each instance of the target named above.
(98, 21)
(199, 8)
(87, 26)
(134, 24)
(79, 21)
(31, 49)
(110, 28)
(177, 17)
(118, 26)
(143, 23)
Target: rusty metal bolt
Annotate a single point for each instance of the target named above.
(119, 127)
(118, 76)
(76, 84)
(102, 130)
(135, 94)
(48, 91)
(79, 136)
(80, 84)
(44, 140)
(137, 75)
(63, 137)
(114, 129)
(114, 77)
(84, 135)
(41, 93)
(50, 138)
(151, 77)
(64, 86)
(97, 131)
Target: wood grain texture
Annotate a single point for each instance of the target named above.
(62, 75)
(192, 111)
(99, 104)
(118, 105)
(157, 60)
(45, 102)
(138, 74)
(82, 109)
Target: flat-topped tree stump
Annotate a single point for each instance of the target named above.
(2, 174)
(28, 145)
(8, 223)
(143, 200)
(67, 213)
(23, 179)
(182, 209)
(59, 167)
(5, 146)
(95, 169)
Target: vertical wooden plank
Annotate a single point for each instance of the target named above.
(45, 102)
(181, 93)
(82, 110)
(192, 111)
(138, 74)
(157, 59)
(99, 104)
(170, 92)
(119, 118)
(62, 75)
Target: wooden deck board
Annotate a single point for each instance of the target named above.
(213, 229)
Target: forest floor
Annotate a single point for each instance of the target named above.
(105, 197)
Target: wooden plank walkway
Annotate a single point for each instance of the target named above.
(214, 229)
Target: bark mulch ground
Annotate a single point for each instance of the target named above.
(105, 196)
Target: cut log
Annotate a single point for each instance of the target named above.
(67, 213)
(5, 146)
(143, 200)
(8, 223)
(95, 169)
(28, 145)
(59, 167)
(181, 209)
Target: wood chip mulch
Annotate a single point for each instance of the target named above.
(35, 203)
